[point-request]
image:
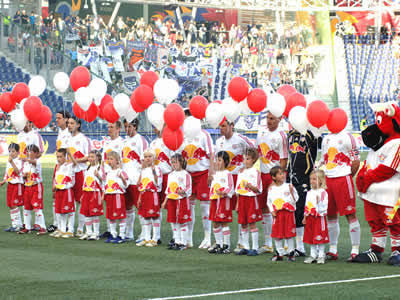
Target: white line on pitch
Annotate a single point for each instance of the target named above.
(278, 287)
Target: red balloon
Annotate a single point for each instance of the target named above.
(172, 139)
(174, 116)
(238, 88)
(91, 114)
(7, 103)
(337, 120)
(317, 113)
(45, 117)
(78, 111)
(33, 108)
(295, 99)
(136, 107)
(286, 90)
(257, 100)
(110, 114)
(80, 77)
(106, 99)
(149, 78)
(20, 91)
(198, 106)
(144, 96)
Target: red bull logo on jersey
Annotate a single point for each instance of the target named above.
(129, 155)
(90, 184)
(242, 190)
(147, 184)
(58, 144)
(62, 181)
(161, 157)
(310, 209)
(22, 150)
(279, 204)
(193, 155)
(266, 154)
(172, 190)
(296, 148)
(235, 161)
(215, 188)
(11, 175)
(112, 186)
(334, 158)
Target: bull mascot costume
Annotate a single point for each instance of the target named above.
(378, 182)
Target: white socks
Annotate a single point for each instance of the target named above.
(245, 238)
(113, 228)
(355, 231)
(191, 224)
(156, 229)
(299, 239)
(39, 218)
(218, 235)
(15, 218)
(267, 227)
(142, 222)
(130, 223)
(205, 212)
(71, 222)
(321, 250)
(62, 222)
(96, 225)
(81, 222)
(240, 239)
(88, 224)
(184, 233)
(122, 228)
(147, 229)
(226, 232)
(290, 244)
(254, 238)
(279, 246)
(55, 221)
(174, 227)
(28, 219)
(334, 231)
(313, 251)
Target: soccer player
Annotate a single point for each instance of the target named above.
(340, 155)
(28, 137)
(272, 148)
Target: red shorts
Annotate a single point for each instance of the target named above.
(221, 210)
(178, 211)
(15, 194)
(162, 195)
(316, 231)
(378, 214)
(284, 225)
(150, 205)
(115, 206)
(132, 196)
(248, 210)
(266, 180)
(341, 196)
(78, 186)
(200, 187)
(64, 201)
(91, 205)
(33, 197)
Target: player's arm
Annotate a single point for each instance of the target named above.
(283, 151)
(16, 170)
(123, 177)
(71, 157)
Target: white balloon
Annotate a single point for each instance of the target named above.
(61, 82)
(244, 107)
(122, 102)
(214, 114)
(276, 104)
(155, 114)
(298, 119)
(18, 119)
(37, 85)
(83, 97)
(231, 109)
(131, 114)
(166, 90)
(98, 88)
(191, 128)
(317, 132)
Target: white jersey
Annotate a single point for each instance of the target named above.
(11, 176)
(338, 152)
(79, 145)
(235, 147)
(222, 181)
(163, 155)
(178, 180)
(198, 152)
(33, 173)
(24, 139)
(91, 182)
(386, 192)
(316, 203)
(280, 197)
(252, 176)
(112, 145)
(64, 177)
(132, 156)
(148, 180)
(114, 184)
(62, 138)
(272, 147)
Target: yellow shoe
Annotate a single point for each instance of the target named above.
(142, 243)
(79, 233)
(151, 243)
(266, 249)
(54, 233)
(58, 234)
(67, 235)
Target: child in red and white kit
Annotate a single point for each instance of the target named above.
(150, 184)
(15, 186)
(33, 192)
(248, 186)
(178, 191)
(114, 196)
(64, 201)
(221, 192)
(91, 203)
(282, 198)
(316, 228)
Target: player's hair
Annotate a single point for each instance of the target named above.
(187, 112)
(13, 146)
(32, 148)
(63, 151)
(77, 120)
(115, 155)
(98, 156)
(252, 152)
(64, 113)
(275, 170)
(135, 123)
(180, 159)
(118, 124)
(225, 157)
(320, 177)
(149, 151)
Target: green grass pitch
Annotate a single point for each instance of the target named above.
(43, 267)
